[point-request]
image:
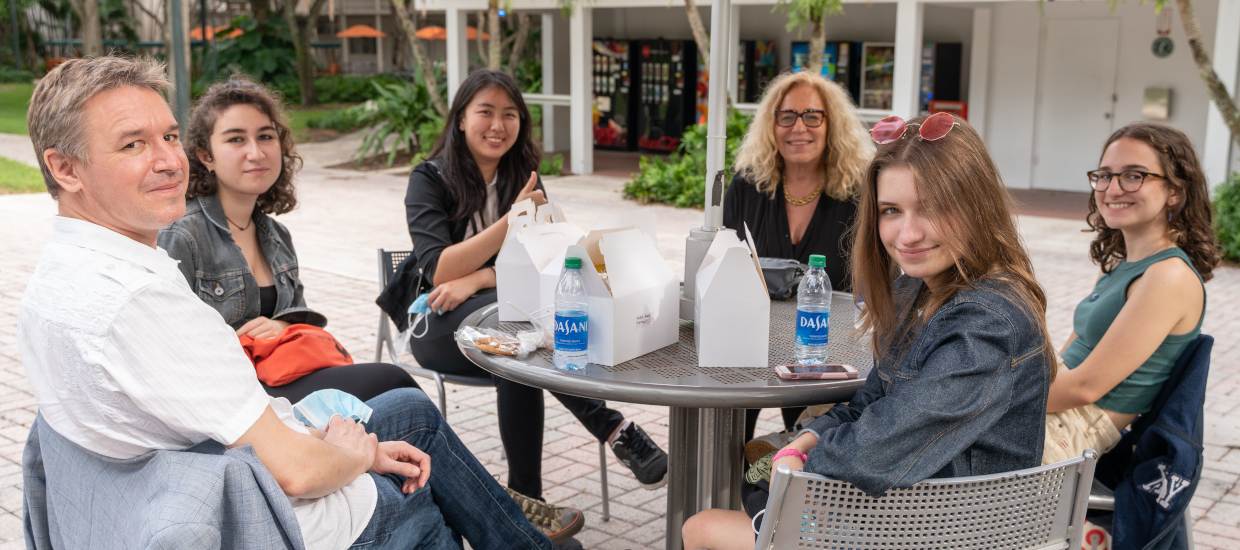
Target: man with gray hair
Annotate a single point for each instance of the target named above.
(124, 359)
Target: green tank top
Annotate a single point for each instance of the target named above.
(1094, 316)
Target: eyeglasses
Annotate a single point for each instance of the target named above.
(892, 128)
(1129, 180)
(812, 118)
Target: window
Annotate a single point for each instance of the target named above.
(362, 45)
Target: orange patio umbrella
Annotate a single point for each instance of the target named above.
(439, 33)
(196, 32)
(361, 31)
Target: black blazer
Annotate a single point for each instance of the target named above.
(767, 218)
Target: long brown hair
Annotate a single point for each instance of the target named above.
(240, 90)
(1192, 219)
(957, 181)
(849, 148)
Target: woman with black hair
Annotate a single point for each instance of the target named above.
(484, 162)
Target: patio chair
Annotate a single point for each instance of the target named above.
(1155, 468)
(389, 260)
(1037, 508)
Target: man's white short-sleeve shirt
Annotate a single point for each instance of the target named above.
(124, 359)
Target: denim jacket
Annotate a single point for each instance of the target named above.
(966, 396)
(216, 270)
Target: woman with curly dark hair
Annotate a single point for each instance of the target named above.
(1155, 244)
(235, 256)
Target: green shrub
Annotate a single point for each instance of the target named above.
(681, 179)
(401, 110)
(9, 75)
(343, 120)
(264, 52)
(1227, 216)
(551, 166)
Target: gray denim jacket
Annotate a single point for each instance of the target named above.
(966, 397)
(216, 270)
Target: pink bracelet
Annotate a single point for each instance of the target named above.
(789, 452)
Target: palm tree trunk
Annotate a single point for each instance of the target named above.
(817, 43)
(301, 45)
(92, 28)
(482, 47)
(497, 36)
(519, 39)
(700, 37)
(1214, 87)
(410, 25)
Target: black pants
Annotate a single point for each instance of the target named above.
(364, 381)
(520, 407)
(751, 419)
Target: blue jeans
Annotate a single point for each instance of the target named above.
(460, 499)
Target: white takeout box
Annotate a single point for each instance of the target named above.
(732, 309)
(535, 237)
(641, 313)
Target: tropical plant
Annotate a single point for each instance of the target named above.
(681, 179)
(551, 166)
(263, 51)
(813, 13)
(1227, 216)
(403, 112)
(409, 23)
(343, 120)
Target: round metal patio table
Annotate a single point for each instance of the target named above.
(707, 417)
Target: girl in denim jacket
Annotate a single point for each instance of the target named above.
(962, 361)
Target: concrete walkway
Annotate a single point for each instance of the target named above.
(345, 216)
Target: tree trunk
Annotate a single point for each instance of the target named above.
(817, 43)
(410, 26)
(482, 47)
(1214, 87)
(261, 9)
(92, 27)
(700, 37)
(518, 44)
(301, 44)
(497, 36)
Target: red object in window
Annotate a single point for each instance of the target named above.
(958, 108)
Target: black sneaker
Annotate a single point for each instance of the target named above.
(639, 453)
(559, 523)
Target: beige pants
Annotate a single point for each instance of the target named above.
(1070, 432)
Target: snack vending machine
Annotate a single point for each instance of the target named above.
(615, 104)
(878, 73)
(668, 92)
(838, 62)
(940, 73)
(757, 69)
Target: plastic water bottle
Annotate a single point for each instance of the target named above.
(813, 313)
(572, 308)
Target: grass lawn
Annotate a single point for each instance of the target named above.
(299, 117)
(16, 177)
(13, 101)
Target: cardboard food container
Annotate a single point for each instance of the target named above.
(640, 312)
(535, 237)
(732, 309)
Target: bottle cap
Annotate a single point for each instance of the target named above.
(817, 260)
(572, 263)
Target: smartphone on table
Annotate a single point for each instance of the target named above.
(837, 371)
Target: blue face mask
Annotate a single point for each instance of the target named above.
(317, 409)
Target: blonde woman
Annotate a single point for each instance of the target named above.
(796, 172)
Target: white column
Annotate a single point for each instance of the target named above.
(548, 80)
(378, 41)
(458, 49)
(1216, 152)
(979, 71)
(734, 48)
(581, 113)
(906, 80)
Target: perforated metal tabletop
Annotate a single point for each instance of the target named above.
(671, 375)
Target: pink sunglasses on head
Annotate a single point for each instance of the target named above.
(892, 128)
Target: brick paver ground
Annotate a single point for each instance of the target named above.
(346, 215)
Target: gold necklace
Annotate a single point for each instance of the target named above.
(804, 201)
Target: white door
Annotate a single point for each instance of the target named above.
(1076, 100)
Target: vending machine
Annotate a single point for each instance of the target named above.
(877, 74)
(757, 69)
(668, 92)
(615, 104)
(940, 73)
(838, 62)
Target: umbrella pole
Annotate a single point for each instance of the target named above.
(699, 240)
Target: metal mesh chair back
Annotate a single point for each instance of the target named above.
(389, 260)
(1038, 508)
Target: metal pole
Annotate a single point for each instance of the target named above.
(17, 50)
(699, 240)
(681, 471)
(180, 65)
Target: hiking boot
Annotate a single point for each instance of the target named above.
(637, 452)
(559, 523)
(759, 447)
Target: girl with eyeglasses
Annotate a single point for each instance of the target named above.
(962, 360)
(1155, 243)
(797, 170)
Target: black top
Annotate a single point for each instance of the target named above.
(267, 301)
(767, 219)
(428, 205)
